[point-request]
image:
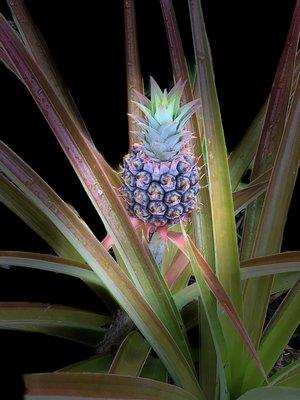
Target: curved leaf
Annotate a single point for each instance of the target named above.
(47, 262)
(115, 279)
(262, 233)
(95, 176)
(131, 355)
(70, 386)
(269, 265)
(271, 393)
(65, 322)
(283, 376)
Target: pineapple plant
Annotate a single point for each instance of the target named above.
(160, 176)
(218, 272)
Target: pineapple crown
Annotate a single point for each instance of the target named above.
(162, 130)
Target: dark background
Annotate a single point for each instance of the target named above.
(87, 43)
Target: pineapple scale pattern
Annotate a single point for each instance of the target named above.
(159, 193)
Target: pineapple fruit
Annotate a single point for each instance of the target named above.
(160, 176)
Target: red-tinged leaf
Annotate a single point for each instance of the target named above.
(176, 269)
(38, 48)
(269, 265)
(278, 149)
(54, 320)
(279, 100)
(72, 386)
(201, 218)
(134, 76)
(7, 62)
(242, 155)
(25, 209)
(96, 179)
(271, 393)
(103, 264)
(219, 292)
(244, 197)
(276, 336)
(107, 242)
(131, 355)
(213, 330)
(241, 199)
(49, 262)
(269, 141)
(179, 65)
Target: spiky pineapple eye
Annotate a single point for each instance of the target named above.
(196, 188)
(168, 182)
(190, 206)
(135, 165)
(141, 212)
(175, 211)
(183, 167)
(172, 198)
(183, 184)
(158, 221)
(155, 191)
(127, 194)
(129, 180)
(188, 195)
(141, 197)
(143, 180)
(194, 177)
(157, 208)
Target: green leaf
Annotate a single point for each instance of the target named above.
(190, 314)
(154, 369)
(223, 221)
(204, 275)
(65, 322)
(185, 295)
(131, 355)
(265, 219)
(103, 264)
(242, 155)
(38, 49)
(134, 76)
(271, 393)
(202, 217)
(255, 267)
(284, 281)
(276, 336)
(209, 304)
(70, 386)
(242, 198)
(285, 375)
(268, 265)
(47, 262)
(96, 179)
(99, 364)
(25, 209)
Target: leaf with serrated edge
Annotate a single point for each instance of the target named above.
(96, 181)
(103, 264)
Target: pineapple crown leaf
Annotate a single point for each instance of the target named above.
(162, 127)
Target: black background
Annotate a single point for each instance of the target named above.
(87, 41)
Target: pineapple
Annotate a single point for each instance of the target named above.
(160, 176)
